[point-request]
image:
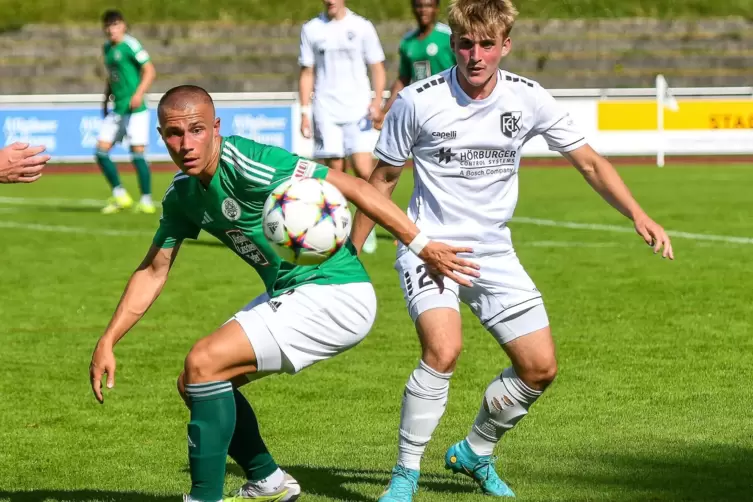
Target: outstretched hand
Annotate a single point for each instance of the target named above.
(103, 363)
(655, 236)
(443, 261)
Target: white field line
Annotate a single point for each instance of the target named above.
(570, 244)
(615, 228)
(24, 201)
(72, 230)
(44, 201)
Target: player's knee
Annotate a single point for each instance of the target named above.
(198, 367)
(442, 358)
(539, 373)
(137, 150)
(103, 148)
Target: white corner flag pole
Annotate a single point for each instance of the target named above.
(661, 89)
(664, 99)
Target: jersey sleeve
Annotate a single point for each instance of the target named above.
(173, 225)
(555, 125)
(399, 132)
(306, 52)
(138, 53)
(271, 165)
(372, 48)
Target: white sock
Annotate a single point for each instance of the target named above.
(146, 199)
(119, 191)
(272, 482)
(424, 402)
(505, 403)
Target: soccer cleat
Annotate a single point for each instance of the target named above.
(402, 487)
(370, 245)
(461, 459)
(117, 204)
(187, 498)
(289, 491)
(146, 208)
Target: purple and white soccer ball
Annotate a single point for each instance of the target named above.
(307, 220)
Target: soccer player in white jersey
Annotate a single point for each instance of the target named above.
(338, 49)
(465, 128)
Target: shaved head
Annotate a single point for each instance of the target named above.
(190, 130)
(183, 97)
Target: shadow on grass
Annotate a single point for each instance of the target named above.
(674, 472)
(335, 483)
(688, 472)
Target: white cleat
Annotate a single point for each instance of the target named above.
(187, 498)
(370, 246)
(289, 491)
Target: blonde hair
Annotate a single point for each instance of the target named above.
(482, 17)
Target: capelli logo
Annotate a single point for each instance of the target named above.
(445, 135)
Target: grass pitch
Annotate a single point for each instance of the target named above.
(652, 403)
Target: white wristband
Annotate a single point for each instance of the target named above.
(418, 243)
(305, 109)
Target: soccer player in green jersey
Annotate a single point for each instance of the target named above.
(130, 73)
(307, 314)
(424, 51)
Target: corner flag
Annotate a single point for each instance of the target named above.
(664, 99)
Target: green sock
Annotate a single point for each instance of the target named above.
(247, 447)
(209, 434)
(108, 168)
(142, 170)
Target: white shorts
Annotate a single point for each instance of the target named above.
(133, 127)
(309, 324)
(334, 140)
(503, 292)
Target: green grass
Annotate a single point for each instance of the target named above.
(652, 403)
(77, 11)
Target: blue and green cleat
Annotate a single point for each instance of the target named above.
(402, 487)
(461, 459)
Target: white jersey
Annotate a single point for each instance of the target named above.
(467, 152)
(339, 51)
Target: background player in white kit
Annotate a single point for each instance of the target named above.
(465, 128)
(338, 48)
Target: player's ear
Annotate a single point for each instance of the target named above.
(216, 126)
(506, 46)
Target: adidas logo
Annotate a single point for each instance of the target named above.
(191, 444)
(207, 219)
(272, 226)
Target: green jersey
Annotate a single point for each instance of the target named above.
(124, 62)
(230, 209)
(421, 58)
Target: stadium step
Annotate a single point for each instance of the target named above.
(246, 57)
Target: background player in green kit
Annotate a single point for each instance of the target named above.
(308, 313)
(130, 73)
(424, 51)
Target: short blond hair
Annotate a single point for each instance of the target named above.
(482, 17)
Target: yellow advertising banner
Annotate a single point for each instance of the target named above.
(695, 114)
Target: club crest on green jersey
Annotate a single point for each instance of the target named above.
(231, 209)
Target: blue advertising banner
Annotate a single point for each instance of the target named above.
(70, 132)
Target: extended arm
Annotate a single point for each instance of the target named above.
(440, 258)
(384, 179)
(142, 290)
(602, 176)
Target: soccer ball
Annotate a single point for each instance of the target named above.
(307, 220)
